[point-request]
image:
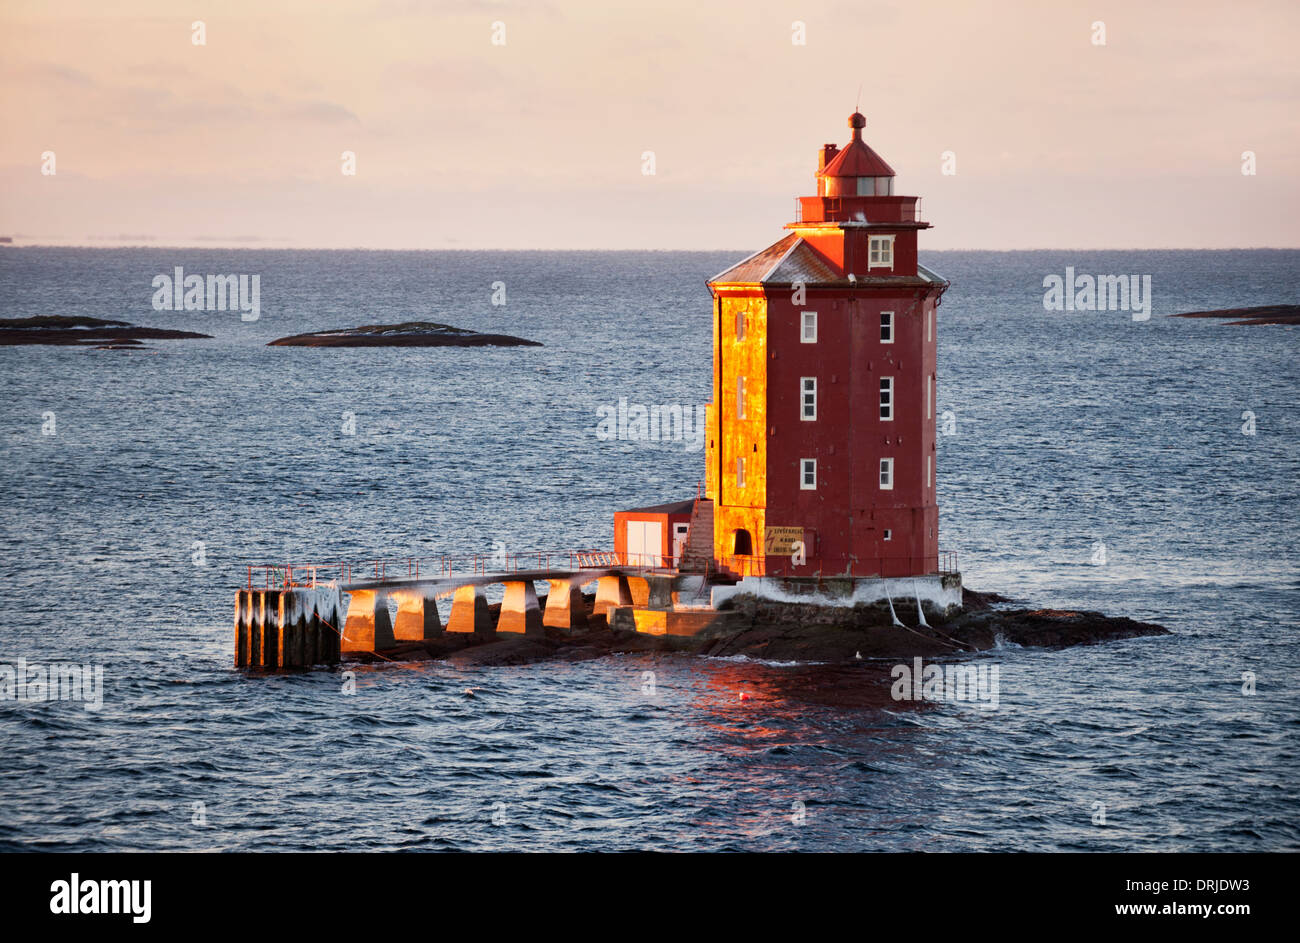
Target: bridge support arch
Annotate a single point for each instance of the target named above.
(469, 611)
(368, 628)
(417, 616)
(520, 612)
(612, 591)
(565, 606)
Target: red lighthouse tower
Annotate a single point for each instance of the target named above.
(821, 433)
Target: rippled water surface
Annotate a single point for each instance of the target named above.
(1072, 429)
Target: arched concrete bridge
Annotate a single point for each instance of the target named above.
(299, 619)
(369, 626)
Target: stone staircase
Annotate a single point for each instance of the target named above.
(697, 555)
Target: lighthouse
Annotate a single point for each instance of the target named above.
(821, 434)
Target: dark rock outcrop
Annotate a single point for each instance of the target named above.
(78, 331)
(1263, 314)
(1045, 628)
(407, 334)
(777, 631)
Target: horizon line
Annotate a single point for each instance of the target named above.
(245, 247)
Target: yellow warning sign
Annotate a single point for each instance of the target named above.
(781, 540)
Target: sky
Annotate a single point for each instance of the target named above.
(525, 125)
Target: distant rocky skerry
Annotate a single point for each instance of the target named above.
(407, 334)
(1263, 314)
(82, 332)
(760, 628)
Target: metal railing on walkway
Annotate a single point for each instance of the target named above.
(289, 575)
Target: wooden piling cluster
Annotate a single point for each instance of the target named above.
(287, 628)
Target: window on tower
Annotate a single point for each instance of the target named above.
(886, 327)
(875, 186)
(808, 474)
(740, 472)
(886, 399)
(740, 325)
(886, 474)
(809, 332)
(808, 398)
(740, 397)
(880, 252)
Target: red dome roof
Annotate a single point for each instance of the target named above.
(857, 160)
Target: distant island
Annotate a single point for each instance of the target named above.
(407, 334)
(80, 332)
(1264, 314)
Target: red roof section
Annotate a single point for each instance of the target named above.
(857, 160)
(785, 262)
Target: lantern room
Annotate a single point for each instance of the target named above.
(855, 171)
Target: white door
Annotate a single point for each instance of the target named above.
(679, 541)
(644, 544)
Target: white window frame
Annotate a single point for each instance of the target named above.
(929, 471)
(740, 471)
(806, 320)
(880, 252)
(929, 326)
(740, 397)
(807, 465)
(886, 474)
(889, 324)
(807, 387)
(889, 534)
(929, 397)
(886, 399)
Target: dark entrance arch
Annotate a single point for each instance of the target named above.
(743, 543)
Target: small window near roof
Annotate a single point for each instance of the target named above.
(809, 333)
(808, 474)
(880, 252)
